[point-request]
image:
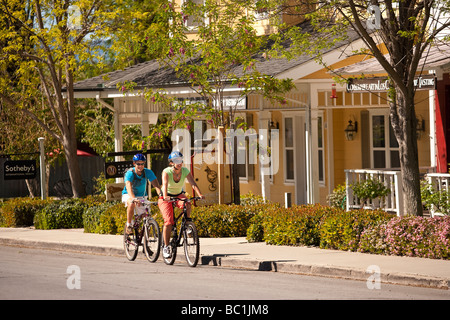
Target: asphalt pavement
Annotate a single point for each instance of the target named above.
(240, 254)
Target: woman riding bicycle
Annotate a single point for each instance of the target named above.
(136, 185)
(173, 178)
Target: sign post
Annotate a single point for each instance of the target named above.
(42, 168)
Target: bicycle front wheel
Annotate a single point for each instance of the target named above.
(130, 244)
(191, 243)
(152, 240)
(173, 244)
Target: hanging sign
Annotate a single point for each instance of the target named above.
(19, 169)
(117, 169)
(425, 82)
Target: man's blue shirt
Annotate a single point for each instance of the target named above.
(138, 183)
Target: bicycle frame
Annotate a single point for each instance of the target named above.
(183, 214)
(139, 222)
(142, 221)
(177, 236)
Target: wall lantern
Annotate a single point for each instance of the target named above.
(420, 127)
(333, 91)
(351, 130)
(273, 125)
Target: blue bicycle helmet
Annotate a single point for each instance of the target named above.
(176, 156)
(139, 157)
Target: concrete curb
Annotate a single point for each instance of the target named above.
(69, 247)
(250, 264)
(325, 271)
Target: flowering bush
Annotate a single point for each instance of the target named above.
(409, 236)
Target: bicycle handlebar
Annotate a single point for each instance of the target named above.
(184, 199)
(145, 202)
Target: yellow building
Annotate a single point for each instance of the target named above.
(324, 129)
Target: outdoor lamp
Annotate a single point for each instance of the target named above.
(351, 130)
(420, 128)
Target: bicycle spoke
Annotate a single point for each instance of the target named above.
(130, 245)
(191, 244)
(152, 239)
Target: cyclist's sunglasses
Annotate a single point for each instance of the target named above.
(177, 160)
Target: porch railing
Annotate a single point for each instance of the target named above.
(392, 203)
(440, 182)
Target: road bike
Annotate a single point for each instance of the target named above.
(146, 233)
(187, 237)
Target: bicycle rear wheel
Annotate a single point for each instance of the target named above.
(152, 240)
(191, 243)
(130, 244)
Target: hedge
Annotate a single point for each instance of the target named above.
(19, 212)
(64, 214)
(309, 225)
(343, 229)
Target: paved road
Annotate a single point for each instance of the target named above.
(44, 274)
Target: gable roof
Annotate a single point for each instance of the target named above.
(438, 56)
(151, 74)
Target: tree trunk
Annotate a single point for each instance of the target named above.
(70, 140)
(70, 151)
(404, 120)
(234, 169)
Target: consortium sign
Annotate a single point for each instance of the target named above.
(426, 82)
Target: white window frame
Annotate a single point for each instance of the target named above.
(322, 148)
(387, 145)
(193, 27)
(286, 148)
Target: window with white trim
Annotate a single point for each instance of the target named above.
(320, 149)
(384, 145)
(193, 22)
(289, 149)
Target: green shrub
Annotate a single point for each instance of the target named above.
(92, 215)
(338, 198)
(433, 199)
(298, 225)
(255, 232)
(222, 220)
(20, 212)
(343, 230)
(61, 214)
(250, 199)
(369, 189)
(113, 219)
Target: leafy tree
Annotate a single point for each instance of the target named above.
(212, 46)
(405, 29)
(47, 45)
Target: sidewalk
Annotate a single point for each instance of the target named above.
(238, 253)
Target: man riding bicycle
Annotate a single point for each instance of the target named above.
(136, 186)
(173, 178)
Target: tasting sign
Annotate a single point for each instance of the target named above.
(425, 82)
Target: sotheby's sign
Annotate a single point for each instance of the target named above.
(426, 82)
(19, 169)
